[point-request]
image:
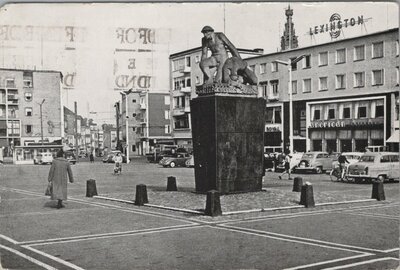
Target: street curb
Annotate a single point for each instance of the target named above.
(232, 212)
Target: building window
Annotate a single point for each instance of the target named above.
(294, 87)
(167, 129)
(28, 96)
(323, 83)
(377, 49)
(10, 83)
(323, 59)
(188, 61)
(307, 61)
(397, 48)
(264, 86)
(133, 114)
(359, 53)
(28, 79)
(197, 80)
(274, 88)
(179, 83)
(379, 111)
(362, 112)
(28, 129)
(377, 77)
(197, 59)
(317, 114)
(340, 56)
(397, 75)
(274, 67)
(340, 81)
(133, 100)
(294, 65)
(28, 111)
(306, 85)
(346, 113)
(263, 68)
(181, 122)
(359, 79)
(167, 100)
(133, 129)
(166, 114)
(331, 114)
(178, 64)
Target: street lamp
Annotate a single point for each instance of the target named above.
(289, 65)
(126, 93)
(41, 119)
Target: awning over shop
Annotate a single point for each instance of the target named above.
(394, 138)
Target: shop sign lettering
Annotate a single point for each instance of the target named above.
(272, 128)
(335, 25)
(327, 124)
(348, 123)
(42, 33)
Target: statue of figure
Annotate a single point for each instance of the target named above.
(228, 69)
(216, 42)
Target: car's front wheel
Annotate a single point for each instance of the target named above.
(172, 164)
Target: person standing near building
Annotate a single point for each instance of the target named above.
(59, 171)
(91, 157)
(288, 158)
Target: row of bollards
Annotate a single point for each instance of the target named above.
(213, 203)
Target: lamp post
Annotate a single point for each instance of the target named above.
(41, 120)
(126, 93)
(289, 65)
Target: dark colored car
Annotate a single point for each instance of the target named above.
(155, 157)
(179, 160)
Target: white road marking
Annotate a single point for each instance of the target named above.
(8, 239)
(326, 262)
(107, 235)
(373, 215)
(302, 238)
(64, 211)
(73, 266)
(282, 238)
(391, 250)
(358, 263)
(26, 257)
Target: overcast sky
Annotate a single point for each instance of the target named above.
(37, 36)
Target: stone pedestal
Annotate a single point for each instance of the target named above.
(228, 139)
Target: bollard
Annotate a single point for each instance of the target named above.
(378, 192)
(297, 183)
(91, 189)
(213, 204)
(171, 184)
(141, 195)
(307, 195)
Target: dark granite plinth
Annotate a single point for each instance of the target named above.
(228, 143)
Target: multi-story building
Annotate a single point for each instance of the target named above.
(185, 75)
(345, 94)
(30, 108)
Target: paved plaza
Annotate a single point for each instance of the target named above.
(261, 230)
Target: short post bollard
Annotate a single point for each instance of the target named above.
(91, 189)
(378, 192)
(213, 204)
(307, 195)
(171, 184)
(297, 183)
(141, 195)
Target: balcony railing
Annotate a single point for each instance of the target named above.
(178, 111)
(186, 89)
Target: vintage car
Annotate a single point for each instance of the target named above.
(352, 157)
(316, 162)
(178, 160)
(380, 166)
(294, 162)
(110, 157)
(190, 162)
(43, 158)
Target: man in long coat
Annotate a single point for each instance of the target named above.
(59, 170)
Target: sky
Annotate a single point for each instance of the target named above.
(103, 48)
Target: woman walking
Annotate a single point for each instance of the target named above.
(59, 170)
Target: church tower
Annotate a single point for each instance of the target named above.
(289, 39)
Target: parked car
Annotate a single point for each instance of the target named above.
(110, 157)
(352, 157)
(381, 166)
(316, 162)
(43, 158)
(156, 156)
(70, 157)
(179, 160)
(190, 162)
(294, 162)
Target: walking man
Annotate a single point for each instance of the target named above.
(288, 158)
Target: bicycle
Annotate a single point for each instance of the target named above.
(336, 174)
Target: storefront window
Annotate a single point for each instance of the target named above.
(317, 115)
(317, 145)
(346, 113)
(331, 114)
(379, 111)
(362, 112)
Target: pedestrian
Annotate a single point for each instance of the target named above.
(118, 163)
(287, 160)
(59, 171)
(91, 157)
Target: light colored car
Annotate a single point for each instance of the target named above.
(352, 157)
(381, 166)
(43, 158)
(316, 162)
